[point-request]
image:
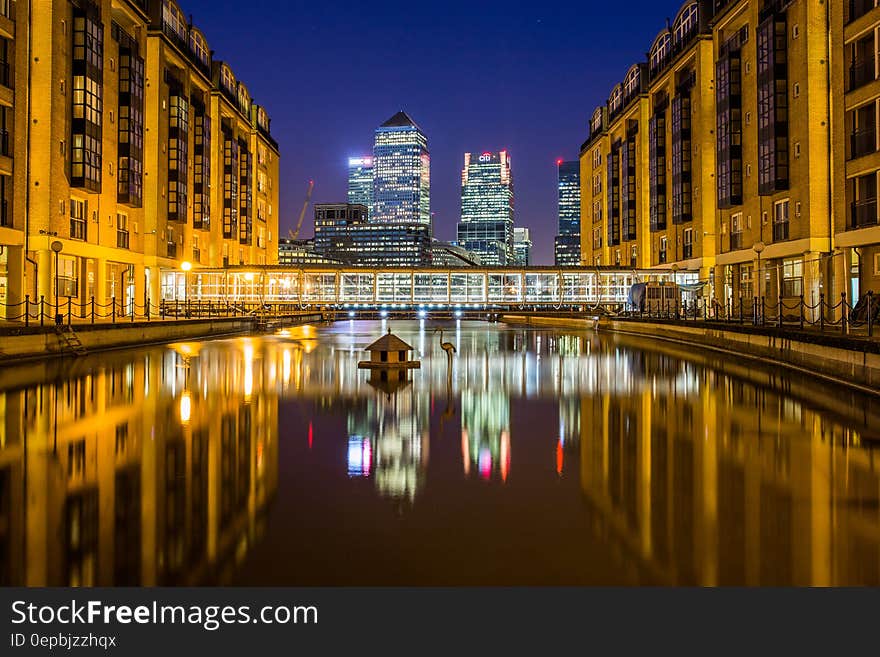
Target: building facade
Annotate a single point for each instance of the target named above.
(486, 225)
(736, 153)
(522, 247)
(344, 234)
(293, 253)
(401, 173)
(567, 246)
(360, 181)
(137, 151)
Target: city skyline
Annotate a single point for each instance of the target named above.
(525, 92)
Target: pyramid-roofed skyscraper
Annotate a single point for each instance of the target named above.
(401, 173)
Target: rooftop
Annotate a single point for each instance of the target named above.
(389, 342)
(400, 120)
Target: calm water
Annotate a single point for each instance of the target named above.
(541, 457)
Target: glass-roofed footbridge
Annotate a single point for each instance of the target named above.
(538, 288)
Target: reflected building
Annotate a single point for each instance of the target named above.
(485, 433)
(151, 472)
(389, 440)
(703, 489)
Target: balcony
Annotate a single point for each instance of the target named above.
(863, 213)
(858, 8)
(863, 142)
(780, 231)
(736, 241)
(861, 73)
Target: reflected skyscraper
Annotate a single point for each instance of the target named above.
(485, 433)
(486, 226)
(401, 173)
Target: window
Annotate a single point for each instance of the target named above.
(131, 121)
(613, 194)
(657, 170)
(681, 157)
(792, 277)
(245, 235)
(178, 138)
(122, 241)
(616, 100)
(197, 251)
(633, 256)
(780, 220)
(597, 238)
(746, 285)
(227, 80)
(78, 225)
(728, 101)
(230, 185)
(597, 159)
(736, 231)
(201, 168)
(628, 186)
(660, 52)
(687, 250)
(661, 257)
(198, 46)
(685, 23)
(631, 84)
(772, 106)
(87, 103)
(67, 279)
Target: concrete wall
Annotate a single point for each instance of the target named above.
(34, 342)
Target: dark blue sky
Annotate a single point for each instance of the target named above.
(474, 75)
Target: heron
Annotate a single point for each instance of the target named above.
(448, 347)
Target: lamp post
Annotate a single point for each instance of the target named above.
(56, 247)
(758, 248)
(185, 267)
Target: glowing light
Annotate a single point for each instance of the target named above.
(559, 161)
(560, 457)
(185, 407)
(351, 313)
(311, 435)
(505, 454)
(383, 314)
(484, 463)
(186, 265)
(249, 276)
(248, 370)
(464, 452)
(422, 314)
(360, 456)
(458, 314)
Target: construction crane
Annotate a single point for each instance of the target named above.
(293, 234)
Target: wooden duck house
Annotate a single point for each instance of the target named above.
(389, 352)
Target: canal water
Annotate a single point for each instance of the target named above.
(538, 457)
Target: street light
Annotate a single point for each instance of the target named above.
(185, 267)
(758, 247)
(56, 247)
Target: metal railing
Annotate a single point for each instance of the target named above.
(824, 315)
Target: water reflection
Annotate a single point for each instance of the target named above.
(554, 458)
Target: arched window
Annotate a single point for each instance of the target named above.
(199, 46)
(173, 19)
(631, 83)
(616, 99)
(685, 22)
(227, 79)
(660, 50)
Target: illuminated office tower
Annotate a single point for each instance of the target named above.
(360, 182)
(522, 246)
(486, 225)
(567, 247)
(401, 173)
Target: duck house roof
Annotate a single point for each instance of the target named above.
(389, 342)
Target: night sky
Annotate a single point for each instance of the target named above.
(475, 76)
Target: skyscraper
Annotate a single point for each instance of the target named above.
(360, 181)
(486, 225)
(401, 173)
(522, 246)
(567, 248)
